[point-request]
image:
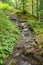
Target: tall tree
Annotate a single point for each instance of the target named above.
(41, 10)
(24, 3)
(16, 4)
(7, 1)
(32, 6)
(37, 10)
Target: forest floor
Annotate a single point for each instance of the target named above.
(25, 51)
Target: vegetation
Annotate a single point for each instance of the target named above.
(9, 34)
(30, 11)
(37, 26)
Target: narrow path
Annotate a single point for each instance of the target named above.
(22, 51)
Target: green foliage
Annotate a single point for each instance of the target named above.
(7, 9)
(37, 26)
(41, 4)
(5, 6)
(7, 1)
(9, 34)
(21, 5)
(24, 3)
(41, 15)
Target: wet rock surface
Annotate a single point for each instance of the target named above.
(23, 51)
(12, 17)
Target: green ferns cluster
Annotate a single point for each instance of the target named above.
(9, 34)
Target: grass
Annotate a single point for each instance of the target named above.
(9, 34)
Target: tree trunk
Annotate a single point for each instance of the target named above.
(16, 4)
(37, 10)
(41, 12)
(32, 7)
(23, 7)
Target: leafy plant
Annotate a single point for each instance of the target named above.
(4, 6)
(37, 26)
(9, 34)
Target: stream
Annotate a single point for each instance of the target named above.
(23, 50)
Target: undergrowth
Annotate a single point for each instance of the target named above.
(37, 26)
(37, 29)
(7, 9)
(9, 34)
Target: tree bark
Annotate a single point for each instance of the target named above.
(37, 10)
(32, 7)
(41, 12)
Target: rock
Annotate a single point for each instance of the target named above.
(16, 23)
(27, 39)
(10, 61)
(23, 35)
(25, 29)
(26, 33)
(17, 54)
(28, 50)
(21, 20)
(22, 24)
(27, 47)
(21, 62)
(25, 26)
(12, 17)
(24, 63)
(20, 43)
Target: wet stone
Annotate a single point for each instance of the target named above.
(25, 33)
(12, 17)
(27, 39)
(22, 24)
(24, 63)
(25, 29)
(17, 54)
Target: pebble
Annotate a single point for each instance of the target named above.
(24, 63)
(23, 24)
(25, 29)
